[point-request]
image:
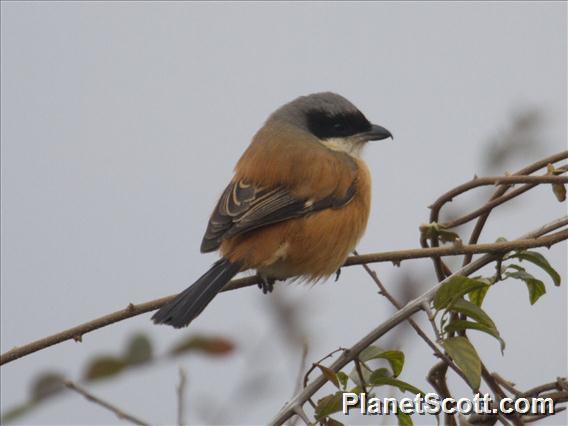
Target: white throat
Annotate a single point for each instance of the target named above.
(347, 145)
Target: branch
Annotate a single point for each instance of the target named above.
(437, 378)
(525, 171)
(494, 202)
(499, 197)
(557, 391)
(499, 395)
(454, 250)
(180, 391)
(119, 413)
(76, 333)
(448, 196)
(401, 315)
(383, 291)
(498, 180)
(483, 212)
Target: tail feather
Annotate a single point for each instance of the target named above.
(187, 305)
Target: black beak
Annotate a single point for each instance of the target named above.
(376, 133)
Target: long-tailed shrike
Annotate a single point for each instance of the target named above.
(297, 205)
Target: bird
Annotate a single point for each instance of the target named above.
(297, 204)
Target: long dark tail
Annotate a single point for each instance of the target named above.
(189, 303)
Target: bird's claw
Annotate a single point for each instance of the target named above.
(266, 284)
(337, 274)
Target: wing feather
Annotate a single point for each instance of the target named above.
(244, 207)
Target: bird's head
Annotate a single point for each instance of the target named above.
(333, 120)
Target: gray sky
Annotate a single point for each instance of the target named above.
(120, 127)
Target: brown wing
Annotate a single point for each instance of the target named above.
(244, 207)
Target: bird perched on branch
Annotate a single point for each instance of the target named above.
(296, 206)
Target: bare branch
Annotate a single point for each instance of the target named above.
(560, 384)
(556, 391)
(483, 212)
(499, 394)
(383, 291)
(453, 250)
(506, 384)
(498, 181)
(437, 378)
(119, 413)
(303, 361)
(180, 390)
(500, 191)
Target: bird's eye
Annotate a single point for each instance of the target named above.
(338, 126)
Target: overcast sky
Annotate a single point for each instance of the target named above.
(121, 124)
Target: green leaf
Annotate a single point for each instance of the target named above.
(209, 345)
(139, 350)
(540, 261)
(535, 286)
(328, 405)
(404, 419)
(343, 378)
(434, 229)
(329, 374)
(46, 384)
(536, 290)
(455, 288)
(466, 358)
(394, 358)
(378, 378)
(558, 188)
(370, 352)
(104, 367)
(17, 411)
(477, 296)
(471, 310)
(396, 361)
(365, 372)
(459, 325)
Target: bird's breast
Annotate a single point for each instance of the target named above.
(314, 246)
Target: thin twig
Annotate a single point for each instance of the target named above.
(437, 378)
(560, 395)
(302, 366)
(180, 390)
(298, 387)
(499, 395)
(360, 375)
(500, 191)
(488, 206)
(559, 384)
(383, 291)
(532, 419)
(117, 411)
(441, 268)
(494, 202)
(498, 181)
(317, 363)
(506, 384)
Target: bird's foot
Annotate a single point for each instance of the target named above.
(266, 284)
